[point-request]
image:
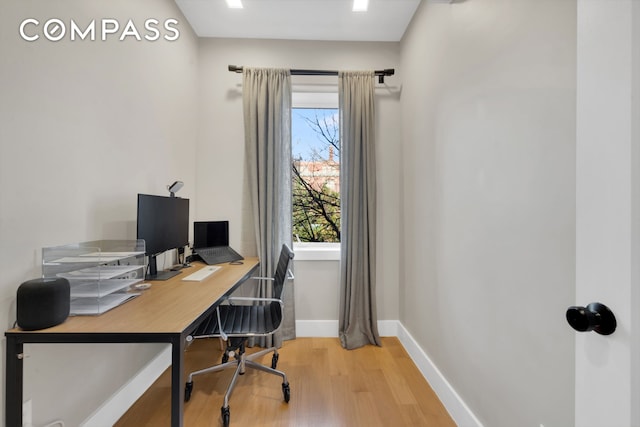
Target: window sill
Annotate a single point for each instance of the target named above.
(316, 251)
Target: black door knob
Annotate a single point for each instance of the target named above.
(594, 317)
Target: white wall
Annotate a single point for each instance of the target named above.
(488, 239)
(220, 169)
(84, 127)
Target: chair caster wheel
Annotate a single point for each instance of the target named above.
(274, 361)
(187, 391)
(225, 416)
(286, 391)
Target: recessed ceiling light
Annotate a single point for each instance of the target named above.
(234, 4)
(360, 5)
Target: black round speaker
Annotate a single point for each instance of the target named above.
(42, 303)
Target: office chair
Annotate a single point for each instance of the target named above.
(239, 319)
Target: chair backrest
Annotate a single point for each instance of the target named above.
(280, 276)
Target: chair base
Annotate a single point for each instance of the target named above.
(241, 363)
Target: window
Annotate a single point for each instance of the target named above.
(315, 138)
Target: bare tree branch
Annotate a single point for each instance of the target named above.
(316, 208)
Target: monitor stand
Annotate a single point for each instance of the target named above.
(154, 274)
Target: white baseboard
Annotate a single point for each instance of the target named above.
(329, 328)
(388, 328)
(116, 406)
(317, 328)
(457, 408)
(121, 401)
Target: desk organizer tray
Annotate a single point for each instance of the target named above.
(100, 273)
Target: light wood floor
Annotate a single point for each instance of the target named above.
(330, 386)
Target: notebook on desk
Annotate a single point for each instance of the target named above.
(211, 242)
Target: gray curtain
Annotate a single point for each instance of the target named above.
(267, 129)
(358, 318)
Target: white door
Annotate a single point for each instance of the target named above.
(608, 208)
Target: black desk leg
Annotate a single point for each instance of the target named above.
(13, 388)
(177, 381)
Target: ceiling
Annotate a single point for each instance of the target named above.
(386, 20)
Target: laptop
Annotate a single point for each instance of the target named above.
(211, 242)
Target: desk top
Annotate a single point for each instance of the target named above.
(168, 306)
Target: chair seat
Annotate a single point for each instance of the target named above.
(243, 320)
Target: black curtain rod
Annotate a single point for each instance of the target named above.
(294, 72)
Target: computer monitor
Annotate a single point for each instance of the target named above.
(163, 223)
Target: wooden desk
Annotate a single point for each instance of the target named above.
(165, 313)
